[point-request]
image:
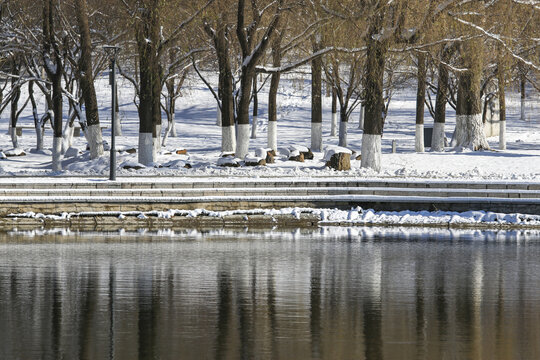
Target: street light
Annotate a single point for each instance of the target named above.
(112, 51)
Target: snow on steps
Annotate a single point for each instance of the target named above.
(227, 194)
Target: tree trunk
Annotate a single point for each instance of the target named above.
(255, 116)
(333, 125)
(469, 131)
(272, 95)
(95, 141)
(150, 84)
(14, 105)
(522, 81)
(343, 122)
(316, 100)
(38, 123)
(54, 73)
(242, 142)
(502, 105)
(374, 102)
(361, 117)
(420, 99)
(228, 133)
(438, 136)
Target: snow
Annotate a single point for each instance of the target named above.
(197, 132)
(357, 216)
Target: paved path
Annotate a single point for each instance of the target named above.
(46, 195)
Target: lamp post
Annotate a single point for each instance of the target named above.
(112, 51)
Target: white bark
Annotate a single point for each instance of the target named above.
(39, 138)
(343, 133)
(242, 143)
(254, 128)
(522, 109)
(437, 139)
(117, 125)
(67, 138)
(218, 117)
(14, 137)
(93, 134)
(333, 128)
(228, 138)
(316, 137)
(57, 154)
(470, 132)
(146, 148)
(361, 117)
(419, 138)
(173, 125)
(502, 135)
(272, 135)
(371, 151)
(156, 142)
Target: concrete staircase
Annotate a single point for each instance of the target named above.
(56, 195)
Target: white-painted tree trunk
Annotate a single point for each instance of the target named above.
(14, 137)
(361, 117)
(437, 139)
(57, 154)
(333, 127)
(272, 135)
(254, 128)
(316, 137)
(228, 138)
(117, 125)
(502, 135)
(156, 142)
(371, 151)
(470, 132)
(67, 138)
(173, 125)
(218, 117)
(93, 134)
(242, 142)
(39, 137)
(343, 133)
(146, 148)
(419, 138)
(522, 109)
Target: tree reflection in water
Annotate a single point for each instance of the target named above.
(328, 294)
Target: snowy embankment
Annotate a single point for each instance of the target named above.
(199, 135)
(353, 217)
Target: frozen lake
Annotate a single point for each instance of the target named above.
(363, 293)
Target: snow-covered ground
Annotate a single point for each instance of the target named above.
(198, 133)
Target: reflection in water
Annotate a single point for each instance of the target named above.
(324, 294)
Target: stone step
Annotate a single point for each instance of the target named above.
(270, 191)
(210, 183)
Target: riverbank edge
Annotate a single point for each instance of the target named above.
(239, 220)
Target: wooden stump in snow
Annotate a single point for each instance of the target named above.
(303, 150)
(296, 156)
(181, 151)
(131, 165)
(338, 158)
(228, 161)
(266, 153)
(254, 161)
(15, 152)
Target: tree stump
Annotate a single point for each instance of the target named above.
(340, 162)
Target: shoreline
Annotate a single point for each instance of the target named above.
(238, 220)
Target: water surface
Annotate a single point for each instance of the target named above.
(324, 294)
